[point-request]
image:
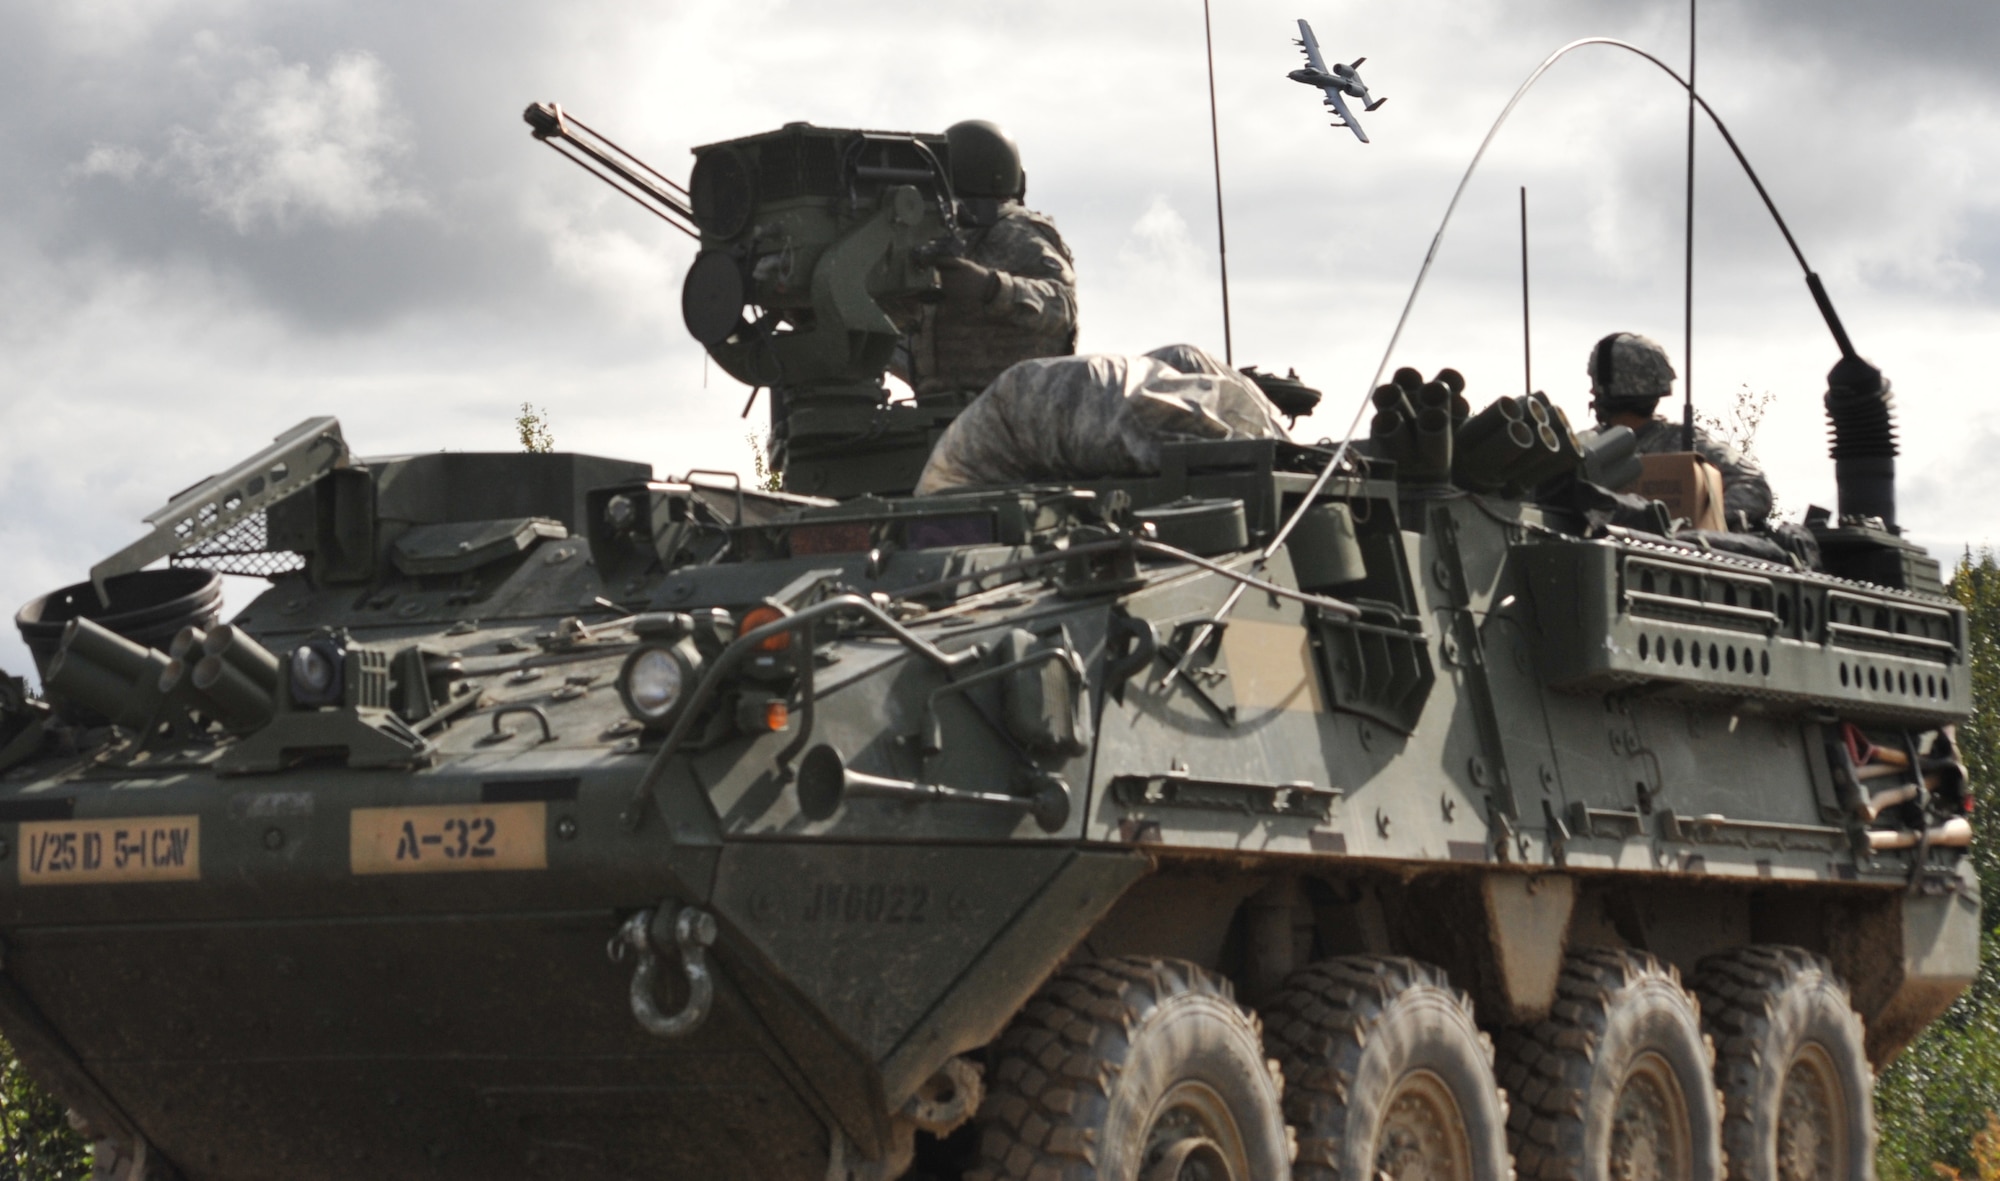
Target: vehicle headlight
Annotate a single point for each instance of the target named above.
(654, 682)
(315, 670)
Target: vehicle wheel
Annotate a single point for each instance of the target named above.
(1132, 1069)
(1797, 1090)
(1386, 1074)
(1617, 1082)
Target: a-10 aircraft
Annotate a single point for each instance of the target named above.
(1335, 81)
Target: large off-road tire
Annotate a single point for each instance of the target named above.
(1797, 1089)
(1617, 1082)
(1132, 1069)
(1386, 1075)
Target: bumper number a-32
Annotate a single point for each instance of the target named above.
(449, 838)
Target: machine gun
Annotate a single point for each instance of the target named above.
(814, 240)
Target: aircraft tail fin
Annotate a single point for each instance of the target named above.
(1378, 102)
(1356, 63)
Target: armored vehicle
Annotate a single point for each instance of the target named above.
(1276, 810)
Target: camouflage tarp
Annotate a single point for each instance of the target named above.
(1096, 415)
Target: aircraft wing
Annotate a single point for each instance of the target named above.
(1309, 45)
(1339, 107)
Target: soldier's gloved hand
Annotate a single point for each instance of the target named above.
(967, 284)
(1852, 376)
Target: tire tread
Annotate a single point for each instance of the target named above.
(1546, 1066)
(1740, 992)
(1055, 1067)
(1318, 1026)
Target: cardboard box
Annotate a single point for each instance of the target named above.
(1690, 487)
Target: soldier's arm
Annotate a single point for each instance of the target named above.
(1037, 288)
(1744, 488)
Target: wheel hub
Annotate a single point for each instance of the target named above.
(1650, 1139)
(1193, 1137)
(1422, 1134)
(1811, 1135)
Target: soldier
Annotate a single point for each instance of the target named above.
(1629, 374)
(1009, 296)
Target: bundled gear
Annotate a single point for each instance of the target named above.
(1096, 416)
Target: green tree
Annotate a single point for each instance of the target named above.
(767, 477)
(1935, 1099)
(36, 1141)
(532, 424)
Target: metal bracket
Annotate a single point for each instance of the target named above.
(693, 931)
(294, 460)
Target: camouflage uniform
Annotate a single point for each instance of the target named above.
(1744, 488)
(1032, 314)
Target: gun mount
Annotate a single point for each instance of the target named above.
(812, 240)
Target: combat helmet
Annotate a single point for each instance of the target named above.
(1629, 372)
(984, 162)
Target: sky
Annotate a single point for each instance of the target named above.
(224, 217)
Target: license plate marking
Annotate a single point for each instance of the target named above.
(449, 838)
(88, 852)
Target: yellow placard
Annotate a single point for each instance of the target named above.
(449, 838)
(138, 849)
(1271, 666)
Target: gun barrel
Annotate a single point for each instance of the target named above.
(596, 154)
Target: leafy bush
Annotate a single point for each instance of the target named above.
(36, 1141)
(1935, 1100)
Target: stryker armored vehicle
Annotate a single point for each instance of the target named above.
(1283, 810)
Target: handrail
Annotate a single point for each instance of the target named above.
(748, 643)
(951, 662)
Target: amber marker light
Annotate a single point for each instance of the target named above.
(757, 617)
(777, 716)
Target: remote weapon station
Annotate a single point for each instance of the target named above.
(969, 835)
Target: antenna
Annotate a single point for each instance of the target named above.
(1215, 142)
(1687, 281)
(1527, 351)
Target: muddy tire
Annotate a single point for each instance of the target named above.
(1617, 1081)
(1386, 1074)
(1133, 1069)
(1797, 1089)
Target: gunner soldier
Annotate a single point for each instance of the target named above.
(1009, 295)
(1629, 374)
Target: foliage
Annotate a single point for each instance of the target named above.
(1985, 1154)
(1934, 1100)
(768, 478)
(533, 427)
(1738, 425)
(36, 1141)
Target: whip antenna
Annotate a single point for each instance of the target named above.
(1687, 279)
(1215, 144)
(1527, 340)
(1340, 453)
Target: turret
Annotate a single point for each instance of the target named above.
(815, 241)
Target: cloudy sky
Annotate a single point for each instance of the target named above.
(225, 216)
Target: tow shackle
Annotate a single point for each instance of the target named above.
(691, 931)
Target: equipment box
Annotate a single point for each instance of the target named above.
(1690, 487)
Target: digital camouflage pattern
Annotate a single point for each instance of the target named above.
(1064, 418)
(1032, 314)
(1628, 367)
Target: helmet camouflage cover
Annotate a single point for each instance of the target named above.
(1628, 367)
